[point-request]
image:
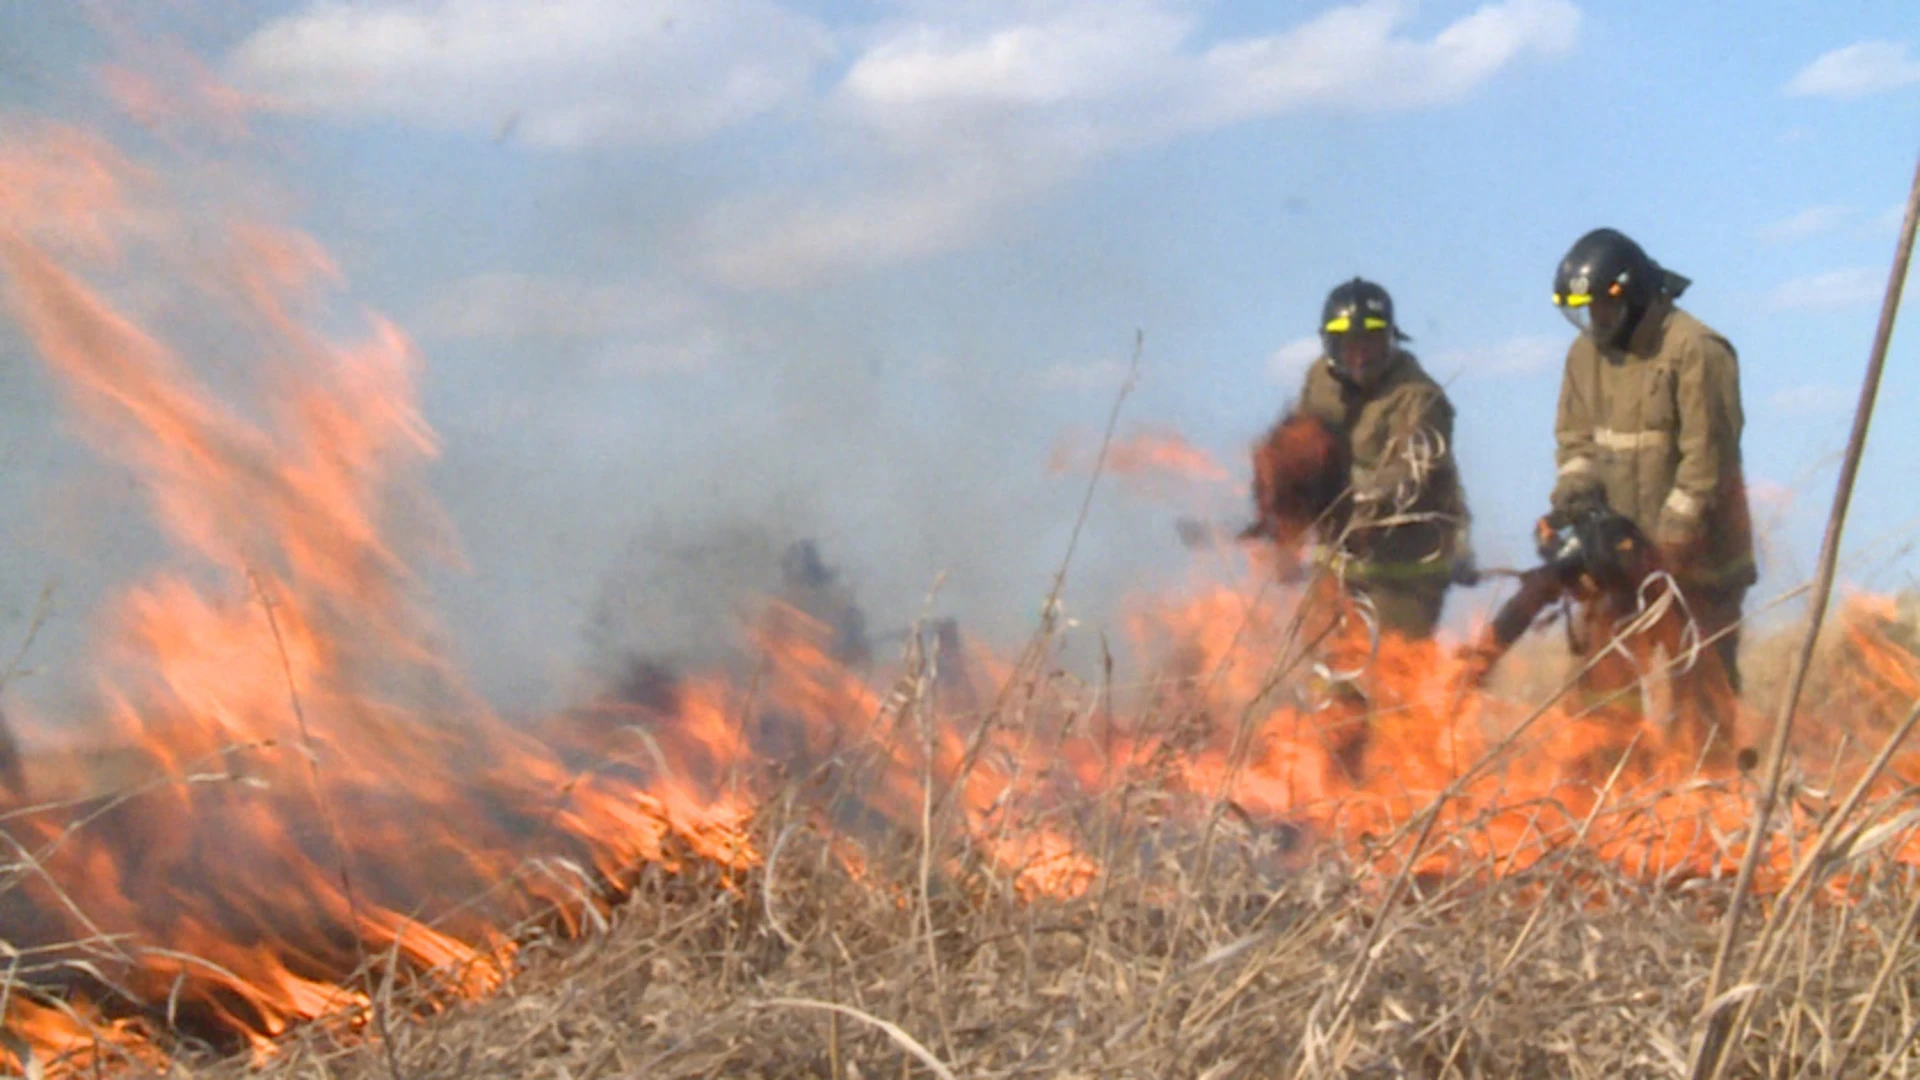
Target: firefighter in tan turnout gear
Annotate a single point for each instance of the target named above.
(1364, 462)
(1649, 422)
(1399, 536)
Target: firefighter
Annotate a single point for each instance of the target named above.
(1649, 421)
(1400, 538)
(1373, 434)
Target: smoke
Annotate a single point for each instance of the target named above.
(613, 516)
(627, 446)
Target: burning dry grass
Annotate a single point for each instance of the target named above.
(300, 846)
(1205, 941)
(816, 971)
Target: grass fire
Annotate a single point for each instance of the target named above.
(282, 834)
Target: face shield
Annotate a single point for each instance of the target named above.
(1601, 318)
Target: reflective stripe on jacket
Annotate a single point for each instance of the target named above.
(1656, 427)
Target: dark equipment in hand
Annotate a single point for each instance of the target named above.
(1587, 552)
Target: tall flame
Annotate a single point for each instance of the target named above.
(307, 774)
(287, 783)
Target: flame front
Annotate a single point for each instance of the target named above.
(285, 784)
(284, 778)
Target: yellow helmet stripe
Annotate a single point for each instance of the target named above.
(1340, 324)
(1575, 300)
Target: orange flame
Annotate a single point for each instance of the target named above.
(1151, 464)
(286, 777)
(299, 784)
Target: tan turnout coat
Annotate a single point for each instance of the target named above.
(1400, 434)
(1656, 427)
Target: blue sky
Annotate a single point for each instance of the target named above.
(752, 268)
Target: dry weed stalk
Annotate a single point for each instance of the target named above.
(1208, 945)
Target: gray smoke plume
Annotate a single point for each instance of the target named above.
(627, 446)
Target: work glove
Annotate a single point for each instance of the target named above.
(1575, 489)
(1567, 508)
(1682, 541)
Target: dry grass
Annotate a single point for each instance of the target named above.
(1210, 946)
(1207, 948)
(1523, 976)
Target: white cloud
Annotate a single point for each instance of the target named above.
(1354, 56)
(560, 73)
(1085, 52)
(974, 111)
(1829, 291)
(948, 118)
(1519, 355)
(1288, 364)
(1813, 400)
(1809, 222)
(1869, 67)
(1076, 53)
